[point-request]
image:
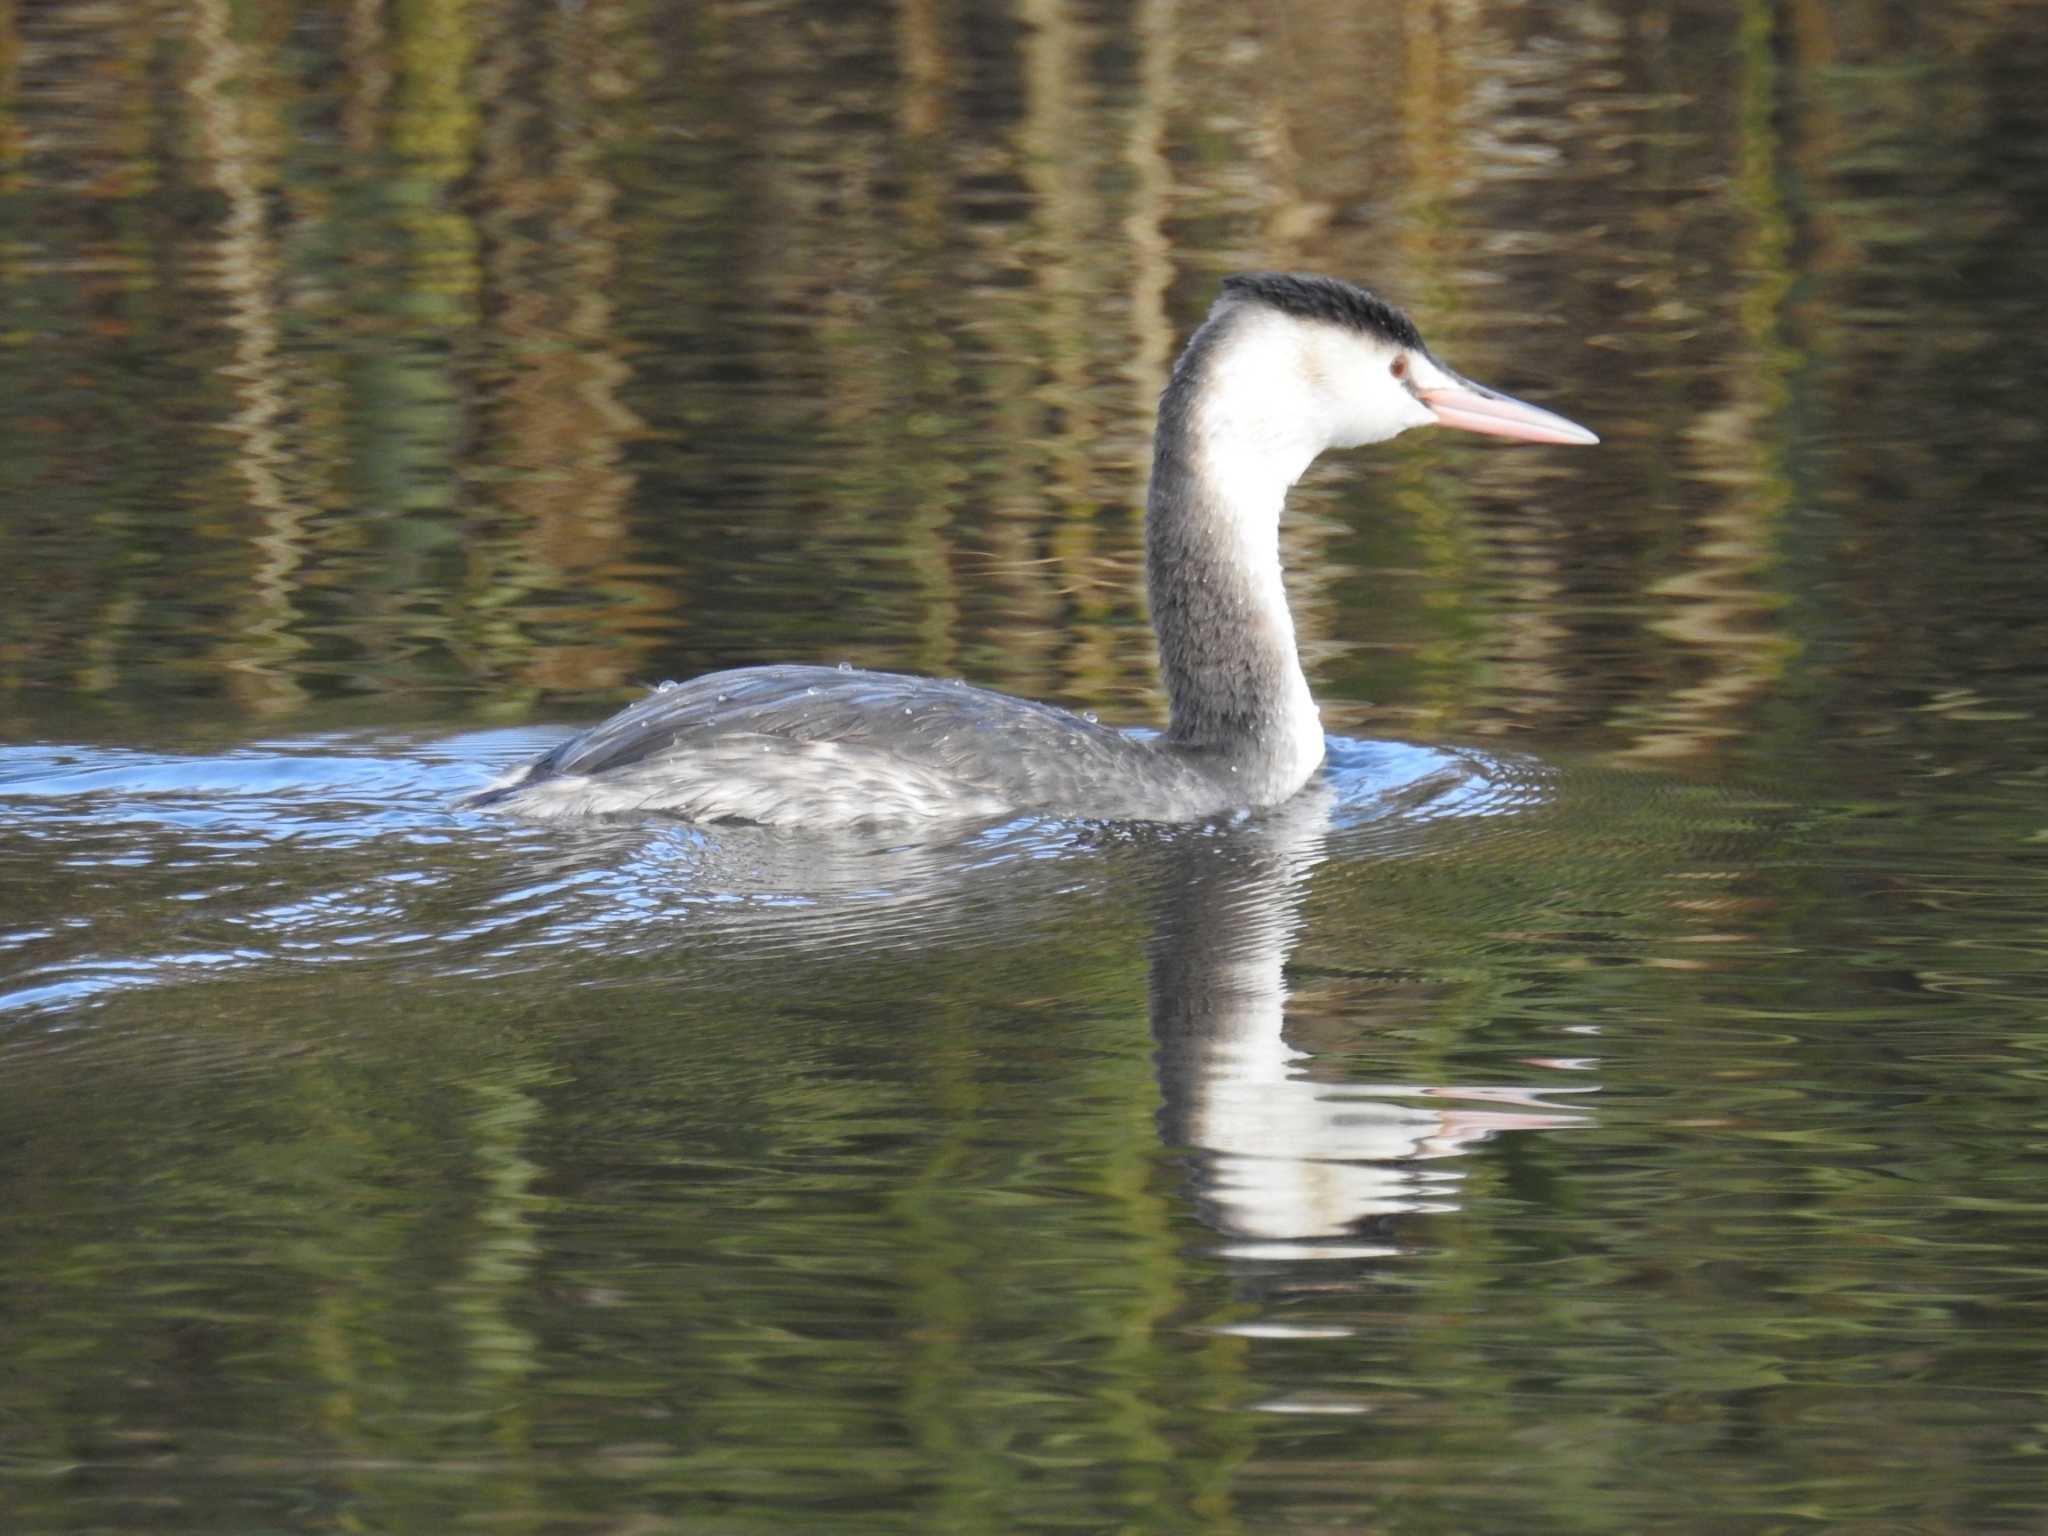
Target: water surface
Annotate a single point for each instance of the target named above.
(1608, 1100)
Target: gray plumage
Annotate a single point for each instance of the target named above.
(820, 746)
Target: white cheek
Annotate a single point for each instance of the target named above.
(1387, 412)
(1361, 398)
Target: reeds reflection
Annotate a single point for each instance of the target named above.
(500, 359)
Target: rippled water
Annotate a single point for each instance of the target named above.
(347, 852)
(1608, 1100)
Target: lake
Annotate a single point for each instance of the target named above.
(1609, 1099)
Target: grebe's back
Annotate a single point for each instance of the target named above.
(825, 746)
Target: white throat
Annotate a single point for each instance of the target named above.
(1249, 449)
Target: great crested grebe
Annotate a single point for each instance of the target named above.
(1284, 366)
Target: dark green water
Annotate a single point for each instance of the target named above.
(1610, 1100)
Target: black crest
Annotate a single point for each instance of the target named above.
(1307, 296)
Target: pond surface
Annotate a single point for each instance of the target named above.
(1610, 1098)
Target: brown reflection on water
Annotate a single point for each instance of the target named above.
(557, 424)
(524, 354)
(244, 268)
(1722, 604)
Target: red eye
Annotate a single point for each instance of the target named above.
(1399, 366)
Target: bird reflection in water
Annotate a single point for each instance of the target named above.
(1285, 1165)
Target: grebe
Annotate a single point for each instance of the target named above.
(1284, 366)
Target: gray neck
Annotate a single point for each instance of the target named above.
(1227, 650)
